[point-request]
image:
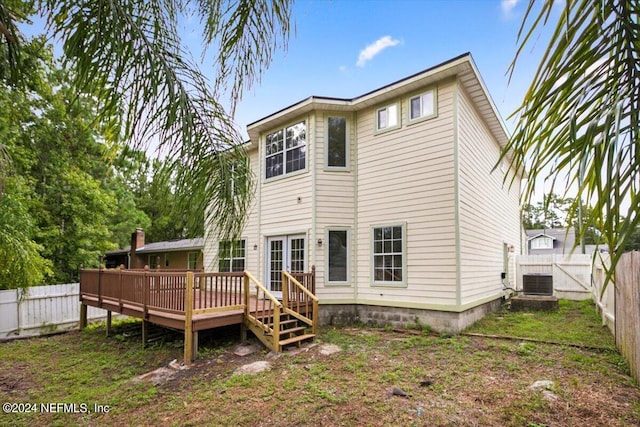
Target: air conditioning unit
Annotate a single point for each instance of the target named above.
(537, 284)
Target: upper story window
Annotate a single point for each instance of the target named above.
(542, 243)
(388, 117)
(337, 148)
(286, 150)
(422, 106)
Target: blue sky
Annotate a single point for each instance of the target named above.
(345, 48)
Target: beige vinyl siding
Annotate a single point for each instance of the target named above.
(489, 210)
(335, 205)
(250, 232)
(286, 202)
(406, 176)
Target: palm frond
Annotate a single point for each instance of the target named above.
(129, 55)
(578, 123)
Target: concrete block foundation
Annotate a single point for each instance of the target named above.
(438, 321)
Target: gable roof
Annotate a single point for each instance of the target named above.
(566, 238)
(461, 66)
(167, 246)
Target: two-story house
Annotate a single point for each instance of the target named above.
(392, 195)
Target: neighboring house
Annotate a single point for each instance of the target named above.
(559, 241)
(394, 197)
(175, 255)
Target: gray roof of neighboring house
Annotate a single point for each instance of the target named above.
(559, 234)
(563, 240)
(169, 246)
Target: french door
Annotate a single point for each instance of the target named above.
(284, 253)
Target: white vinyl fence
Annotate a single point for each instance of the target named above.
(605, 300)
(571, 273)
(42, 309)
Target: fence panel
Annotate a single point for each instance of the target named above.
(627, 310)
(571, 273)
(42, 309)
(605, 300)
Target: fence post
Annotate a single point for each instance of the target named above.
(188, 323)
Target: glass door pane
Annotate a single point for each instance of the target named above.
(276, 252)
(296, 254)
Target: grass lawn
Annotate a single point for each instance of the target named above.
(460, 380)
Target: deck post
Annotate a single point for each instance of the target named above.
(108, 323)
(145, 333)
(188, 323)
(285, 290)
(243, 332)
(83, 316)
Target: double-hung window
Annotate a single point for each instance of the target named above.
(231, 255)
(387, 117)
(286, 150)
(422, 106)
(388, 254)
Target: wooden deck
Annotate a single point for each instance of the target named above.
(196, 301)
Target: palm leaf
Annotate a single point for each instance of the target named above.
(578, 123)
(129, 55)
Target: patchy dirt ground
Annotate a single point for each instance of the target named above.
(377, 377)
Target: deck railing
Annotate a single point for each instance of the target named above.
(264, 321)
(299, 301)
(192, 293)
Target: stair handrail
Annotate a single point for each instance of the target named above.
(273, 332)
(312, 321)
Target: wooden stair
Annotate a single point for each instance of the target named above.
(291, 332)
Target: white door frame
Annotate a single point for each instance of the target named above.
(290, 251)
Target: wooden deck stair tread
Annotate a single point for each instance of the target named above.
(292, 330)
(297, 338)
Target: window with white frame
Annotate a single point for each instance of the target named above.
(192, 260)
(388, 254)
(423, 105)
(286, 150)
(166, 260)
(337, 142)
(232, 255)
(542, 242)
(338, 255)
(387, 117)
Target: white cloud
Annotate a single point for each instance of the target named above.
(507, 7)
(342, 68)
(375, 48)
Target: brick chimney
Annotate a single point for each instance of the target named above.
(137, 242)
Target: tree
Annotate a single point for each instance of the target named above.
(579, 119)
(128, 55)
